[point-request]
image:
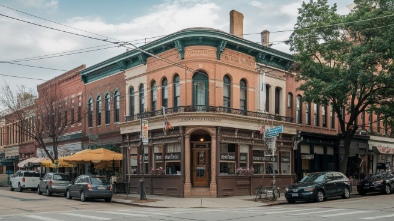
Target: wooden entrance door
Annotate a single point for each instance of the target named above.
(201, 167)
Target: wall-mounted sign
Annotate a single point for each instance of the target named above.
(285, 159)
(243, 157)
(144, 131)
(173, 156)
(307, 156)
(227, 157)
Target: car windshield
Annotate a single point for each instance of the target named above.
(313, 178)
(63, 177)
(99, 181)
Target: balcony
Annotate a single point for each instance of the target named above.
(210, 109)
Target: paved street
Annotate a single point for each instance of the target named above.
(30, 206)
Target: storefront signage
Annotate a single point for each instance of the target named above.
(285, 159)
(307, 156)
(11, 151)
(173, 156)
(265, 159)
(158, 157)
(243, 157)
(273, 131)
(227, 157)
(200, 119)
(144, 131)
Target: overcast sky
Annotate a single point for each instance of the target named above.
(137, 21)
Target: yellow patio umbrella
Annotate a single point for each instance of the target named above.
(94, 156)
(48, 163)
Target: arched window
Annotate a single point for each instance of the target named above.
(132, 105)
(277, 99)
(226, 91)
(107, 108)
(177, 91)
(164, 93)
(200, 91)
(267, 97)
(98, 110)
(116, 105)
(298, 110)
(308, 113)
(90, 113)
(290, 100)
(243, 95)
(153, 96)
(142, 98)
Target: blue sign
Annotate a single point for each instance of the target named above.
(273, 131)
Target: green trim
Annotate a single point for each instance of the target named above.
(185, 38)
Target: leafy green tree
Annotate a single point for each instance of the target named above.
(346, 61)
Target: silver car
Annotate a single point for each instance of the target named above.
(54, 183)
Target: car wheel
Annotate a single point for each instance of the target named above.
(346, 193)
(11, 188)
(83, 197)
(290, 201)
(39, 191)
(20, 189)
(387, 189)
(108, 199)
(49, 193)
(68, 195)
(319, 196)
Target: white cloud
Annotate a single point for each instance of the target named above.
(291, 9)
(40, 4)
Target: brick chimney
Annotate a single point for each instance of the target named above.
(265, 38)
(236, 23)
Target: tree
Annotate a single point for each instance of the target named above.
(346, 61)
(43, 119)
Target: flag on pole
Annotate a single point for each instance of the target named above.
(262, 129)
(166, 123)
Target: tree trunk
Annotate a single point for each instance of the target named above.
(346, 147)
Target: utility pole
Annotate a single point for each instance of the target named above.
(142, 182)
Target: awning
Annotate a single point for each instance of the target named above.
(385, 150)
(7, 162)
(24, 163)
(48, 163)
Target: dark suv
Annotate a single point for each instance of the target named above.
(90, 187)
(319, 186)
(378, 182)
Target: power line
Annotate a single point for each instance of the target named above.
(32, 66)
(7, 75)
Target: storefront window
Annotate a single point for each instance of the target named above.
(157, 156)
(133, 160)
(244, 156)
(285, 163)
(258, 163)
(146, 160)
(173, 159)
(227, 159)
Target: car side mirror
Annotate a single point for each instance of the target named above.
(41, 178)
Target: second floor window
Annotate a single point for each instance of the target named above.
(243, 95)
(177, 91)
(72, 110)
(316, 109)
(164, 94)
(79, 108)
(332, 117)
(298, 110)
(277, 99)
(116, 106)
(153, 96)
(98, 110)
(90, 113)
(107, 108)
(226, 91)
(132, 104)
(307, 113)
(324, 116)
(142, 98)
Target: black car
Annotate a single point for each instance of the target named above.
(378, 182)
(319, 186)
(90, 187)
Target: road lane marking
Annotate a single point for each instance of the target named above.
(86, 216)
(325, 211)
(43, 218)
(120, 213)
(379, 217)
(149, 212)
(348, 213)
(287, 211)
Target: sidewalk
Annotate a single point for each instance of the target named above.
(225, 202)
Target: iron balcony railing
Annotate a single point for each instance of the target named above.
(212, 109)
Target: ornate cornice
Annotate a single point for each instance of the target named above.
(184, 38)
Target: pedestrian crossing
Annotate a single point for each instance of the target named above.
(296, 213)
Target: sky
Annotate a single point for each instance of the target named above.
(30, 53)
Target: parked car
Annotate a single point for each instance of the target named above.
(24, 180)
(319, 186)
(90, 187)
(378, 182)
(54, 183)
